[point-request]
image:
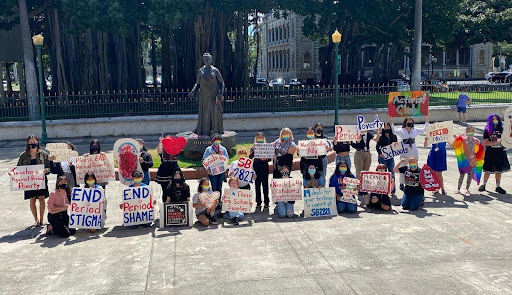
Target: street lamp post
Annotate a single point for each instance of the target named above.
(336, 39)
(38, 42)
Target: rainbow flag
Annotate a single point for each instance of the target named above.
(461, 149)
(480, 154)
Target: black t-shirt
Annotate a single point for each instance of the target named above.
(412, 181)
(178, 194)
(341, 147)
(364, 142)
(493, 137)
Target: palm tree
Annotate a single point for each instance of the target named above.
(416, 65)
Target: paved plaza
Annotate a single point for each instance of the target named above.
(455, 244)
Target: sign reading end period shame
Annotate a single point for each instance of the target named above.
(87, 208)
(27, 178)
(138, 206)
(320, 202)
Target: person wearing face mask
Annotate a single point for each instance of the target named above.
(95, 149)
(91, 182)
(313, 179)
(495, 159)
(380, 201)
(168, 167)
(319, 134)
(437, 161)
(216, 148)
(387, 138)
(137, 177)
(66, 169)
(408, 134)
(58, 204)
(177, 191)
(235, 217)
(33, 155)
(470, 145)
(285, 149)
(336, 181)
(413, 191)
(203, 214)
(260, 167)
(241, 153)
(363, 156)
(315, 161)
(285, 209)
(145, 160)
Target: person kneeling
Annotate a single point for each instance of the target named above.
(380, 201)
(413, 191)
(336, 181)
(58, 209)
(285, 209)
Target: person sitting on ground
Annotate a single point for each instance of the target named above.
(177, 191)
(313, 178)
(336, 181)
(58, 204)
(204, 214)
(380, 201)
(236, 217)
(285, 209)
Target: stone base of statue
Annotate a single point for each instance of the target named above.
(196, 144)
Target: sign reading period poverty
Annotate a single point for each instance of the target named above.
(312, 148)
(429, 179)
(347, 133)
(137, 205)
(506, 136)
(364, 126)
(408, 104)
(286, 189)
(440, 132)
(27, 178)
(394, 150)
(176, 214)
(244, 170)
(264, 151)
(216, 164)
(87, 209)
(126, 152)
(237, 200)
(101, 165)
(350, 191)
(320, 202)
(61, 152)
(376, 182)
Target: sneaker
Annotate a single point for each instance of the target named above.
(481, 188)
(213, 220)
(499, 190)
(237, 221)
(457, 191)
(467, 192)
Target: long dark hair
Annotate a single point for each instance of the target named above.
(404, 124)
(181, 176)
(68, 189)
(201, 181)
(337, 170)
(307, 176)
(392, 136)
(310, 129)
(27, 147)
(73, 147)
(143, 144)
(90, 175)
(95, 142)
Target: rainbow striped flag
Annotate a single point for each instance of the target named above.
(461, 149)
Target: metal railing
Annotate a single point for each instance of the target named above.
(247, 100)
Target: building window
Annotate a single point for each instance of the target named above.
(451, 57)
(280, 59)
(481, 57)
(307, 60)
(284, 33)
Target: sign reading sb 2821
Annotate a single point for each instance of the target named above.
(244, 170)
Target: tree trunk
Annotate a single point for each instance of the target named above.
(416, 66)
(28, 57)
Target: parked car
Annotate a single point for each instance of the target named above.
(277, 83)
(508, 78)
(295, 83)
(436, 86)
(4, 83)
(261, 82)
(499, 77)
(489, 75)
(149, 81)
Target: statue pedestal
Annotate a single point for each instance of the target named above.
(196, 144)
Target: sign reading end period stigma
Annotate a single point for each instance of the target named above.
(137, 206)
(87, 208)
(363, 126)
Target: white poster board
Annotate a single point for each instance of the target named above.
(395, 149)
(346, 133)
(137, 205)
(61, 152)
(313, 148)
(286, 189)
(366, 126)
(101, 165)
(87, 208)
(264, 151)
(376, 182)
(216, 164)
(506, 136)
(440, 132)
(237, 200)
(320, 202)
(27, 178)
(351, 190)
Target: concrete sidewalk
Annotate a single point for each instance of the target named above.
(454, 245)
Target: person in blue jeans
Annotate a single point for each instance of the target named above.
(236, 217)
(285, 209)
(336, 181)
(413, 191)
(387, 138)
(216, 148)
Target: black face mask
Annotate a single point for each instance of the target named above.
(387, 131)
(33, 145)
(95, 148)
(409, 125)
(178, 180)
(63, 186)
(319, 131)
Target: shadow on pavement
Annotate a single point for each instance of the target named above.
(25, 234)
(440, 200)
(127, 232)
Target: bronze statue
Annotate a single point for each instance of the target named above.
(211, 94)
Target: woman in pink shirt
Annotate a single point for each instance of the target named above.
(58, 209)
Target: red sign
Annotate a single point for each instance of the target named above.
(429, 179)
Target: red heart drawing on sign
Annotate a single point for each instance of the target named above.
(429, 179)
(209, 199)
(174, 145)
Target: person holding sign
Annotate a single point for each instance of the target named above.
(95, 149)
(216, 148)
(66, 168)
(234, 169)
(495, 161)
(305, 162)
(33, 155)
(319, 134)
(437, 160)
(336, 181)
(137, 177)
(177, 191)
(363, 157)
(91, 182)
(236, 217)
(285, 209)
(342, 150)
(380, 201)
(387, 138)
(145, 160)
(468, 150)
(285, 149)
(169, 165)
(313, 179)
(203, 213)
(260, 167)
(408, 134)
(413, 191)
(58, 204)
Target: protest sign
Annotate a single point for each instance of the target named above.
(347, 133)
(320, 202)
(506, 136)
(244, 170)
(176, 214)
(264, 151)
(100, 164)
(408, 103)
(351, 190)
(364, 126)
(429, 179)
(127, 152)
(138, 205)
(27, 178)
(286, 189)
(173, 145)
(61, 152)
(394, 150)
(237, 200)
(440, 132)
(376, 182)
(313, 148)
(87, 208)
(209, 199)
(216, 164)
